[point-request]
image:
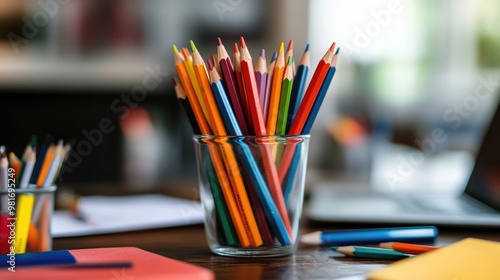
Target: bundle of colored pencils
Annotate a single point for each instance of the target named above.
(37, 169)
(230, 98)
(273, 99)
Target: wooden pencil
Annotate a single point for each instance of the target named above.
(260, 130)
(298, 87)
(188, 63)
(286, 90)
(230, 82)
(241, 87)
(182, 98)
(275, 93)
(311, 92)
(226, 150)
(261, 77)
(270, 72)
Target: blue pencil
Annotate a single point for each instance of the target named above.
(321, 94)
(248, 160)
(299, 86)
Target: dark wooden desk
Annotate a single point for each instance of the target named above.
(309, 262)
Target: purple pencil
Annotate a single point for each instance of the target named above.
(261, 77)
(227, 72)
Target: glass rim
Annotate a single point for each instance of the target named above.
(209, 136)
(50, 189)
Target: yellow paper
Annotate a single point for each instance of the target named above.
(23, 215)
(468, 259)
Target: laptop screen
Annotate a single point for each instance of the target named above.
(484, 182)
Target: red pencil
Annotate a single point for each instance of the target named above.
(241, 87)
(257, 119)
(311, 92)
(407, 248)
(228, 76)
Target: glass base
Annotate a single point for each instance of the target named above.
(252, 252)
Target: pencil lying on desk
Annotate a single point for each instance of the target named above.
(369, 252)
(408, 248)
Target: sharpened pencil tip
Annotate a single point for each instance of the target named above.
(275, 55)
(219, 41)
(193, 47)
(338, 50)
(210, 64)
(334, 248)
(236, 48)
(282, 47)
(290, 45)
(185, 52)
(332, 47)
(290, 60)
(307, 48)
(174, 81)
(174, 47)
(242, 42)
(263, 53)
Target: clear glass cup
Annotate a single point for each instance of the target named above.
(25, 219)
(252, 190)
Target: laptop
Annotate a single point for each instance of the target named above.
(478, 205)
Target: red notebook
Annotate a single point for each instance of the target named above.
(144, 265)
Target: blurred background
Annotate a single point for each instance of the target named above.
(416, 83)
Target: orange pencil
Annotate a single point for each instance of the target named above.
(311, 92)
(190, 92)
(214, 153)
(47, 162)
(275, 93)
(232, 165)
(407, 248)
(250, 83)
(15, 163)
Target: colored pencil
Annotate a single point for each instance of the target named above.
(270, 72)
(298, 88)
(241, 87)
(55, 166)
(275, 93)
(286, 90)
(261, 77)
(28, 170)
(321, 95)
(181, 97)
(47, 162)
(408, 248)
(371, 236)
(246, 156)
(311, 92)
(4, 165)
(228, 75)
(201, 119)
(288, 54)
(228, 154)
(188, 63)
(40, 159)
(260, 130)
(15, 164)
(222, 212)
(369, 252)
(214, 153)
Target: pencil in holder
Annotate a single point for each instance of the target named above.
(252, 190)
(25, 219)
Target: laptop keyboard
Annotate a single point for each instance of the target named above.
(454, 206)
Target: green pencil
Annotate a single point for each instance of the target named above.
(221, 208)
(286, 90)
(369, 252)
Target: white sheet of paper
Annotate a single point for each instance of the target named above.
(117, 214)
